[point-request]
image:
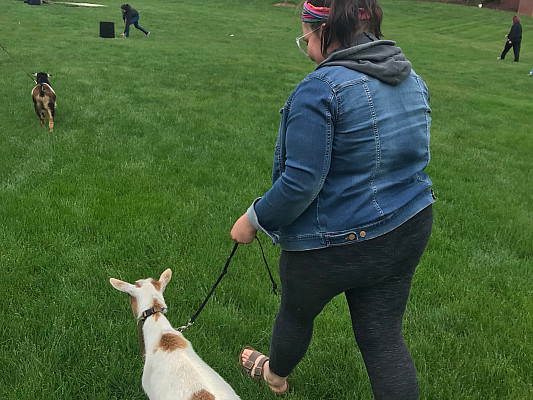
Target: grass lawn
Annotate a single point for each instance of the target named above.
(161, 143)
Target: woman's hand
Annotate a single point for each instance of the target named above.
(243, 231)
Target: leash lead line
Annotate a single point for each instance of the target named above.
(13, 58)
(224, 271)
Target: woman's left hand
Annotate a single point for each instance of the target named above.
(243, 231)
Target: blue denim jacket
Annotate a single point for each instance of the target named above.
(349, 160)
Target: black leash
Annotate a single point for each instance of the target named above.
(224, 271)
(274, 286)
(13, 58)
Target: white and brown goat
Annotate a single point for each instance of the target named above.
(172, 369)
(44, 99)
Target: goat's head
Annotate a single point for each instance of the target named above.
(145, 293)
(42, 77)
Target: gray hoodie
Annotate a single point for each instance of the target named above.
(380, 59)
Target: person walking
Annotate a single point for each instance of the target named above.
(514, 40)
(350, 204)
(131, 16)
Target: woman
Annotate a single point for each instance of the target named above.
(131, 16)
(350, 203)
(514, 39)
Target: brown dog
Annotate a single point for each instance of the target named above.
(44, 99)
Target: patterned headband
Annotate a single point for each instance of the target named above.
(311, 13)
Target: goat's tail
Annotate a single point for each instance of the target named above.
(41, 90)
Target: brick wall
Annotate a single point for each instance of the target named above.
(526, 7)
(510, 5)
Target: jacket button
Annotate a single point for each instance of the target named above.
(351, 237)
(362, 234)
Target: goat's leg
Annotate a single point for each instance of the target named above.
(38, 112)
(50, 120)
(51, 116)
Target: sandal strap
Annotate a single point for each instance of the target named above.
(250, 363)
(258, 370)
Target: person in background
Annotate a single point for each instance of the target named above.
(350, 203)
(514, 40)
(131, 16)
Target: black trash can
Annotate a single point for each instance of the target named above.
(107, 29)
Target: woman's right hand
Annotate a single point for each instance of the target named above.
(243, 231)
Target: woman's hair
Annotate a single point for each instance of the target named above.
(347, 19)
(516, 19)
(125, 7)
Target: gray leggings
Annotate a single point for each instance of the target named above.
(375, 276)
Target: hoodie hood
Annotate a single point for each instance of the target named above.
(380, 59)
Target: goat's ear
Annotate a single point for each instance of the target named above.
(165, 278)
(34, 74)
(49, 75)
(122, 286)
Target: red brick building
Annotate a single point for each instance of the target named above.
(524, 7)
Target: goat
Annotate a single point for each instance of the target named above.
(172, 369)
(44, 99)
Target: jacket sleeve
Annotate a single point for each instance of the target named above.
(308, 143)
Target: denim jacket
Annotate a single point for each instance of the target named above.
(349, 160)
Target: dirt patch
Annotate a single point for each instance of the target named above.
(69, 3)
(285, 5)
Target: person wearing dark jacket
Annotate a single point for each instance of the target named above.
(131, 16)
(514, 39)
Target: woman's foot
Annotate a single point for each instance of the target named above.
(256, 365)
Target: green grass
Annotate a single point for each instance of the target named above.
(159, 146)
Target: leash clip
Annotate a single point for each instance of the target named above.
(185, 327)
